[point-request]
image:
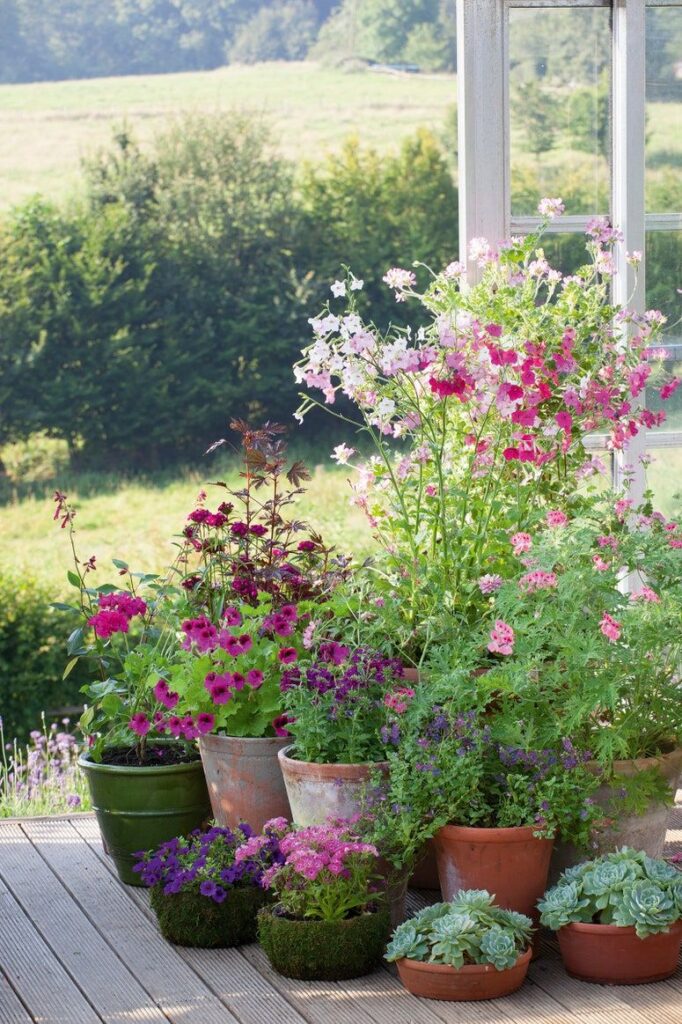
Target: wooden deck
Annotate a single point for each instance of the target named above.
(77, 947)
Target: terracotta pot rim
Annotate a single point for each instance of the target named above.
(473, 833)
(87, 764)
(628, 764)
(468, 969)
(217, 741)
(590, 928)
(339, 768)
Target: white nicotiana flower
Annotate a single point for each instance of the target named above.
(356, 283)
(342, 453)
(338, 289)
(421, 334)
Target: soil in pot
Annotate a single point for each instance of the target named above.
(466, 984)
(609, 955)
(511, 863)
(319, 791)
(154, 754)
(244, 779)
(323, 950)
(138, 808)
(190, 919)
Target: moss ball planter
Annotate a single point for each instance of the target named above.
(324, 950)
(190, 919)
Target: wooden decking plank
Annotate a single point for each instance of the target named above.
(34, 972)
(111, 987)
(172, 984)
(320, 1002)
(227, 972)
(12, 1010)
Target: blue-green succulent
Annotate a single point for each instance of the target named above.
(468, 930)
(625, 888)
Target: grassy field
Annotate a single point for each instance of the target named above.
(47, 127)
(137, 521)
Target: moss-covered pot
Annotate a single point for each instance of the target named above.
(322, 950)
(138, 808)
(190, 919)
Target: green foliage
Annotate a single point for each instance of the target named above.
(626, 888)
(279, 31)
(324, 950)
(535, 110)
(32, 656)
(587, 114)
(468, 930)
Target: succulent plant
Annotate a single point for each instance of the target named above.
(647, 906)
(626, 888)
(469, 930)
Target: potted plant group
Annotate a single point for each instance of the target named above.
(256, 581)
(329, 920)
(146, 782)
(618, 918)
(206, 888)
(467, 949)
(343, 706)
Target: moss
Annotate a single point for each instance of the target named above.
(190, 919)
(322, 950)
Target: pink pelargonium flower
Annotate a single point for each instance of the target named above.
(205, 722)
(279, 725)
(599, 563)
(670, 388)
(551, 208)
(521, 542)
(254, 677)
(139, 723)
(538, 580)
(610, 627)
(489, 583)
(399, 699)
(287, 655)
(645, 594)
(232, 616)
(555, 517)
(501, 638)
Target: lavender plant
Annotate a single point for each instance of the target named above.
(42, 778)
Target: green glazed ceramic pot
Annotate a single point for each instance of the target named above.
(138, 808)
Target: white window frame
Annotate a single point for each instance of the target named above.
(484, 158)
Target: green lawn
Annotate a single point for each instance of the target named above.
(47, 127)
(137, 522)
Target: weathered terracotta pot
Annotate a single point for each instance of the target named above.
(320, 791)
(410, 675)
(244, 780)
(609, 955)
(511, 863)
(640, 831)
(468, 983)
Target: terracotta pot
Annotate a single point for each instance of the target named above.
(244, 780)
(609, 955)
(425, 874)
(511, 863)
(468, 983)
(410, 675)
(319, 791)
(640, 831)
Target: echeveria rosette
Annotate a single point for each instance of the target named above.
(468, 930)
(626, 888)
(646, 906)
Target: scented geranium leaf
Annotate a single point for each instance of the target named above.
(498, 948)
(647, 906)
(563, 904)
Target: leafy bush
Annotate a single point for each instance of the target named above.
(625, 888)
(32, 657)
(469, 930)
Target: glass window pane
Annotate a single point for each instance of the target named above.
(664, 109)
(664, 477)
(663, 277)
(559, 97)
(566, 252)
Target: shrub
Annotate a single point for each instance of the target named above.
(32, 657)
(280, 31)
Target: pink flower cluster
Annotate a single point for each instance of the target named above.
(538, 580)
(319, 852)
(398, 700)
(222, 687)
(501, 638)
(188, 726)
(521, 542)
(610, 627)
(115, 612)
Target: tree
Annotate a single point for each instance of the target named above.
(281, 31)
(535, 111)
